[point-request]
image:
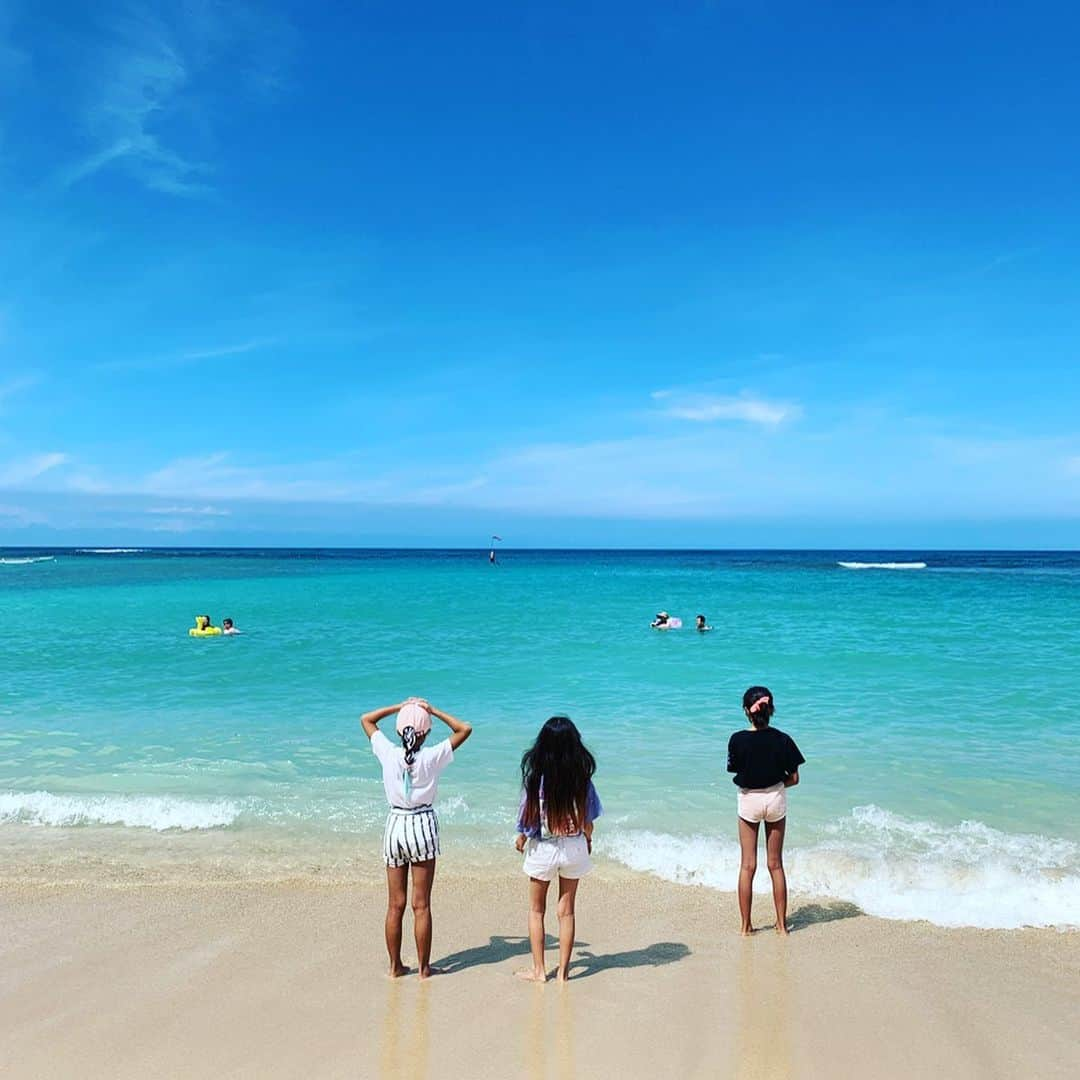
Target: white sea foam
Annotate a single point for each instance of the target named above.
(893, 867)
(156, 812)
(883, 565)
(23, 561)
(109, 551)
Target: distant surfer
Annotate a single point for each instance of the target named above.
(491, 554)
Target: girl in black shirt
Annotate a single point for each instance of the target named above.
(766, 763)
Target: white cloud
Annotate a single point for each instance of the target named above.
(16, 473)
(19, 516)
(180, 525)
(189, 511)
(12, 387)
(189, 356)
(145, 110)
(143, 74)
(709, 408)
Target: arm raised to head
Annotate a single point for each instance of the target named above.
(370, 720)
(459, 730)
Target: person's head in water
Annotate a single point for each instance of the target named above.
(661, 618)
(226, 624)
(758, 705)
(413, 725)
(559, 764)
(702, 623)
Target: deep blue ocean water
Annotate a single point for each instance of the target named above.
(938, 709)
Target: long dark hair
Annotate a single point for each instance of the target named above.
(560, 763)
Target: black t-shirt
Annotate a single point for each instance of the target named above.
(762, 757)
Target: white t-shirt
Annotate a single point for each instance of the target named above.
(424, 778)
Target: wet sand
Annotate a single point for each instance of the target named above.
(288, 981)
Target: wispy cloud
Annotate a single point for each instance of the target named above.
(19, 516)
(13, 60)
(11, 387)
(706, 408)
(151, 71)
(184, 357)
(189, 511)
(26, 470)
(143, 74)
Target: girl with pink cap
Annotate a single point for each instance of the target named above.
(411, 838)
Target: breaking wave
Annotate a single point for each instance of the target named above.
(883, 565)
(157, 812)
(893, 867)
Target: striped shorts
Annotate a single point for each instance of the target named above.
(411, 836)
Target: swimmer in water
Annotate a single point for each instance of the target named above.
(662, 621)
(227, 627)
(702, 625)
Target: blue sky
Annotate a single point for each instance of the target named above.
(717, 274)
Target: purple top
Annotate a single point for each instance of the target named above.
(593, 809)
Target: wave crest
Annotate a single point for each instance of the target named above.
(157, 812)
(882, 565)
(895, 868)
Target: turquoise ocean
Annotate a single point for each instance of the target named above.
(937, 705)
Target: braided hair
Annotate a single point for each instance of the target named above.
(411, 742)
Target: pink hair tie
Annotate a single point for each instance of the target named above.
(766, 700)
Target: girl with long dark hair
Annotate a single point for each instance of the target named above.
(555, 826)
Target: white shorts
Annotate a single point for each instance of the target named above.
(411, 836)
(567, 856)
(763, 804)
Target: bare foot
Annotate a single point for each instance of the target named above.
(746, 931)
(781, 930)
(562, 978)
(426, 973)
(397, 971)
(531, 975)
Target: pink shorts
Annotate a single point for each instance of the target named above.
(763, 804)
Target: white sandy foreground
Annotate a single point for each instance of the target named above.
(287, 981)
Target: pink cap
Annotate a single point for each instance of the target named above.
(413, 714)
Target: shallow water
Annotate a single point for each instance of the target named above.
(936, 706)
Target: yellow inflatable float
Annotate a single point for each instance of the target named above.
(202, 628)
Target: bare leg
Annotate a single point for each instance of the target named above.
(423, 875)
(397, 884)
(538, 891)
(567, 895)
(774, 851)
(748, 835)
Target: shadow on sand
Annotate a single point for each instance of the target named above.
(812, 914)
(663, 952)
(501, 947)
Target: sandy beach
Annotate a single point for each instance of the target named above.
(287, 980)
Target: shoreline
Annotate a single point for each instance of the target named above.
(235, 858)
(895, 889)
(288, 980)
